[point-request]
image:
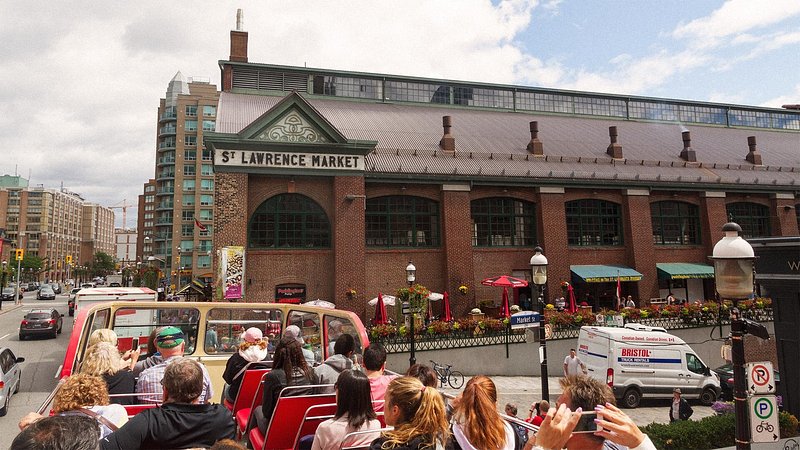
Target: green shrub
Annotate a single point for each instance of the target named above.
(707, 433)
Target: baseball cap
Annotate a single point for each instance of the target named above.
(170, 337)
(676, 390)
(293, 331)
(252, 335)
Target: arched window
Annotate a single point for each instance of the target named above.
(593, 222)
(503, 222)
(289, 221)
(402, 221)
(675, 223)
(752, 217)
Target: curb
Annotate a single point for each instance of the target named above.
(11, 308)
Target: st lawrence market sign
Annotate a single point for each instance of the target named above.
(287, 160)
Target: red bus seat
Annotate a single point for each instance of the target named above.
(314, 416)
(247, 388)
(242, 416)
(287, 418)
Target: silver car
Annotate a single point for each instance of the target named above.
(10, 377)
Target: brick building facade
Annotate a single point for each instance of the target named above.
(334, 181)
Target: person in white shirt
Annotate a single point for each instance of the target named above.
(573, 365)
(630, 303)
(353, 413)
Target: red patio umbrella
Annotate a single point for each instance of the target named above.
(505, 282)
(380, 312)
(447, 315)
(572, 305)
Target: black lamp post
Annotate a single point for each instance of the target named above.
(411, 276)
(733, 273)
(539, 272)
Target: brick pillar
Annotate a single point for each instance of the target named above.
(784, 218)
(713, 216)
(457, 243)
(349, 243)
(230, 213)
(553, 240)
(639, 240)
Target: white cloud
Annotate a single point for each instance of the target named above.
(791, 98)
(737, 16)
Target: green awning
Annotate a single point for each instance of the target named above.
(682, 271)
(605, 273)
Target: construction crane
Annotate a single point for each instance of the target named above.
(123, 205)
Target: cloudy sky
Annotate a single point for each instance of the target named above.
(82, 79)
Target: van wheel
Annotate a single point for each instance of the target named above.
(4, 409)
(631, 398)
(708, 397)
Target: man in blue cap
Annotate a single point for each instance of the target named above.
(171, 343)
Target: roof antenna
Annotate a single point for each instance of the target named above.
(239, 19)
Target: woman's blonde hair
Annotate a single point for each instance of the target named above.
(261, 343)
(102, 358)
(102, 335)
(422, 414)
(477, 414)
(79, 391)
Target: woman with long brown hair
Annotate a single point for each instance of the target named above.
(476, 423)
(289, 368)
(417, 414)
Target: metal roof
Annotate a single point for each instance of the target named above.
(492, 144)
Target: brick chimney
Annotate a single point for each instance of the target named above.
(448, 142)
(687, 154)
(614, 149)
(535, 145)
(753, 156)
(238, 40)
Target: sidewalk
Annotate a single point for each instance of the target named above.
(525, 391)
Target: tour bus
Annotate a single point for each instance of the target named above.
(640, 361)
(86, 297)
(213, 329)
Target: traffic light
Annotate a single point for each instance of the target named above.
(20, 254)
(69, 259)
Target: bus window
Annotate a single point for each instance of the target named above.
(224, 327)
(335, 327)
(133, 322)
(100, 320)
(309, 325)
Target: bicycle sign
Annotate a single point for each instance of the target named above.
(763, 418)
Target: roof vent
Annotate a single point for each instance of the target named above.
(614, 149)
(535, 145)
(753, 156)
(448, 142)
(687, 154)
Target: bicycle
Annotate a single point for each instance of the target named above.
(452, 377)
(765, 426)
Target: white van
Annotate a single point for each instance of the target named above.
(639, 361)
(87, 297)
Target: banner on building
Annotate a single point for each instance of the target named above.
(231, 266)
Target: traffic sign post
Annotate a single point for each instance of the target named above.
(760, 378)
(763, 418)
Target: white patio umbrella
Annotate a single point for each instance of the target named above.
(320, 303)
(435, 296)
(388, 300)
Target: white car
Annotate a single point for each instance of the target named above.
(10, 375)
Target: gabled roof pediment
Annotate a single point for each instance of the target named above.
(293, 120)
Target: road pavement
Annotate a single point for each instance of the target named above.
(43, 357)
(525, 391)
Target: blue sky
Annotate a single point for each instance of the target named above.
(82, 79)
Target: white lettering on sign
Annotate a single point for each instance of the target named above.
(289, 160)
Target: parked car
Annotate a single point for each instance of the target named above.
(46, 293)
(23, 287)
(56, 288)
(88, 285)
(10, 377)
(41, 322)
(725, 373)
(33, 286)
(8, 294)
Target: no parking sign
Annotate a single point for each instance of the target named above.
(763, 418)
(760, 378)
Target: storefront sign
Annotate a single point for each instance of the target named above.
(287, 160)
(231, 267)
(290, 293)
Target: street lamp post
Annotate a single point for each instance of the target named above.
(5, 275)
(733, 273)
(411, 276)
(539, 272)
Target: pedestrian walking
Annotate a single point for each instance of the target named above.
(680, 409)
(573, 365)
(630, 303)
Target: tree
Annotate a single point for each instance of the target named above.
(102, 264)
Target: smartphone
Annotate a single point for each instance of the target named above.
(135, 344)
(587, 423)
